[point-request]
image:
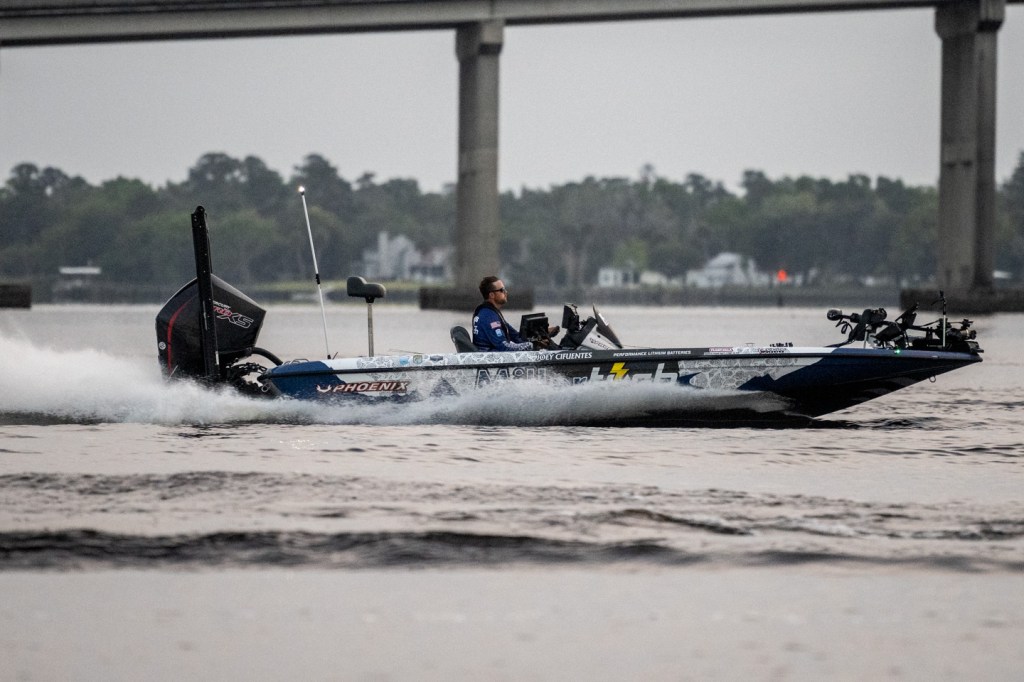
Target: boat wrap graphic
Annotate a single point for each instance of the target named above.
(816, 380)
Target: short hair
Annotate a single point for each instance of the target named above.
(485, 285)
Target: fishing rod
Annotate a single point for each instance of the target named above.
(316, 269)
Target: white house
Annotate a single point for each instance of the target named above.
(615, 278)
(727, 269)
(398, 259)
(628, 278)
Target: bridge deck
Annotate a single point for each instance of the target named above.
(48, 22)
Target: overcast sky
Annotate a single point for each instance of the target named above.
(825, 95)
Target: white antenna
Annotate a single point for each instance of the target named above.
(316, 269)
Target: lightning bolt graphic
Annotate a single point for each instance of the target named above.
(619, 370)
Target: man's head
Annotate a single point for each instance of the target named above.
(493, 290)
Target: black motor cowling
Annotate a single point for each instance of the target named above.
(238, 320)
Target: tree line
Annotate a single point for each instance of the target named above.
(825, 230)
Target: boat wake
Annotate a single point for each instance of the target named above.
(82, 549)
(46, 385)
(221, 519)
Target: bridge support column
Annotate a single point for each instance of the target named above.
(478, 47)
(967, 183)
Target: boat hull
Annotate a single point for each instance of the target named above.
(764, 384)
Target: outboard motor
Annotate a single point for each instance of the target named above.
(237, 319)
(208, 326)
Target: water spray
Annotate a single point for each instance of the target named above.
(316, 269)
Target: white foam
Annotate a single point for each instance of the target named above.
(92, 385)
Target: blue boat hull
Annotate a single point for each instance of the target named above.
(772, 383)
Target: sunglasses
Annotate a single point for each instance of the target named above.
(502, 290)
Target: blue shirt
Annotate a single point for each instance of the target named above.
(492, 333)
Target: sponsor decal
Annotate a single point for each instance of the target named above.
(224, 312)
(620, 372)
(721, 349)
(648, 353)
(751, 350)
(485, 376)
(365, 387)
(572, 356)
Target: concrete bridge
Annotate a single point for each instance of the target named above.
(968, 30)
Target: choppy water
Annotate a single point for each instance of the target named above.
(103, 465)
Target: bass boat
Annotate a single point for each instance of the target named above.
(208, 331)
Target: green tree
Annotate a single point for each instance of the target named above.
(324, 187)
(31, 201)
(240, 243)
(154, 249)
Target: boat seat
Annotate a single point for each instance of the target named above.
(462, 340)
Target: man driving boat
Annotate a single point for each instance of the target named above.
(490, 330)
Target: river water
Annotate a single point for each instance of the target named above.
(161, 531)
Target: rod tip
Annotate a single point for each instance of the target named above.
(302, 190)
